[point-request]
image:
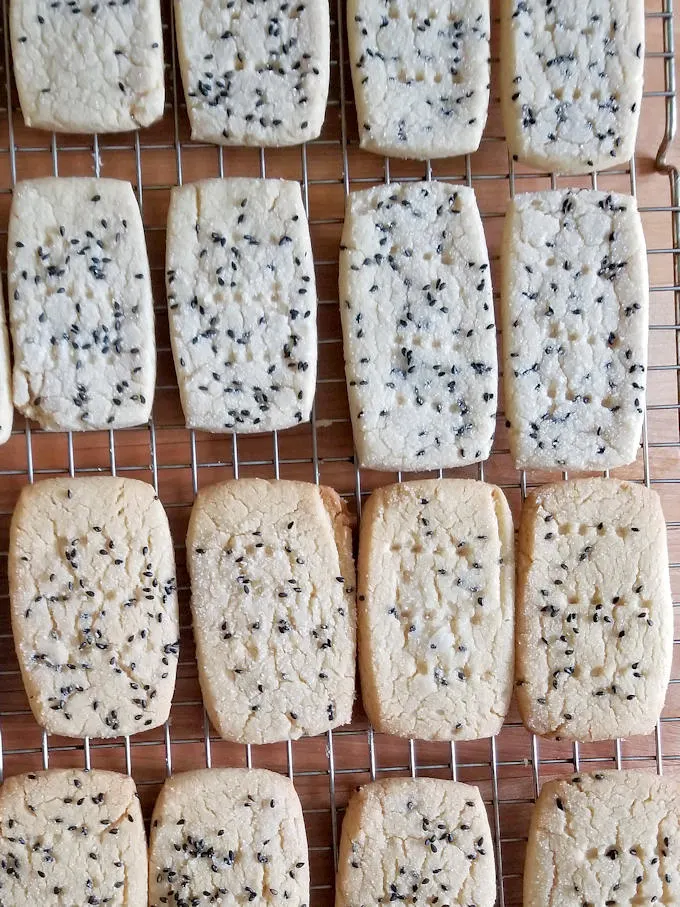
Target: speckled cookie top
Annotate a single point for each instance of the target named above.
(81, 310)
(605, 838)
(436, 629)
(575, 305)
(595, 621)
(273, 600)
(94, 605)
(420, 840)
(242, 304)
(421, 75)
(88, 66)
(571, 81)
(71, 838)
(254, 73)
(228, 836)
(418, 326)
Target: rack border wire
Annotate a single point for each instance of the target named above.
(509, 773)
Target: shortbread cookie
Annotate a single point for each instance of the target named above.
(436, 590)
(254, 73)
(6, 409)
(404, 839)
(90, 67)
(228, 836)
(242, 300)
(94, 605)
(420, 74)
(418, 326)
(81, 310)
(71, 837)
(272, 596)
(594, 611)
(611, 837)
(571, 81)
(575, 310)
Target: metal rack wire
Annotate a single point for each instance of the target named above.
(510, 768)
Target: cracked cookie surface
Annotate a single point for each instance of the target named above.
(418, 326)
(242, 304)
(81, 309)
(421, 75)
(609, 837)
(594, 610)
(435, 608)
(70, 837)
(273, 604)
(228, 836)
(88, 66)
(575, 311)
(416, 839)
(254, 73)
(94, 605)
(571, 81)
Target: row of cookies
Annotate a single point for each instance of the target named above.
(420, 336)
(274, 606)
(241, 300)
(416, 305)
(234, 835)
(258, 73)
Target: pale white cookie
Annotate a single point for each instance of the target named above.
(571, 81)
(68, 837)
(420, 75)
(594, 610)
(254, 73)
(6, 407)
(422, 838)
(611, 837)
(418, 326)
(575, 311)
(436, 609)
(94, 605)
(92, 66)
(81, 310)
(228, 836)
(242, 304)
(273, 603)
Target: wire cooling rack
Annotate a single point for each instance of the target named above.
(508, 768)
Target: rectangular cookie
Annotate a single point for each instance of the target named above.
(94, 67)
(81, 310)
(94, 605)
(571, 82)
(575, 312)
(594, 610)
(273, 604)
(242, 304)
(6, 407)
(611, 837)
(69, 836)
(254, 73)
(418, 840)
(436, 609)
(420, 75)
(418, 326)
(228, 836)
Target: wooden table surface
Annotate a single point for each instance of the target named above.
(326, 769)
